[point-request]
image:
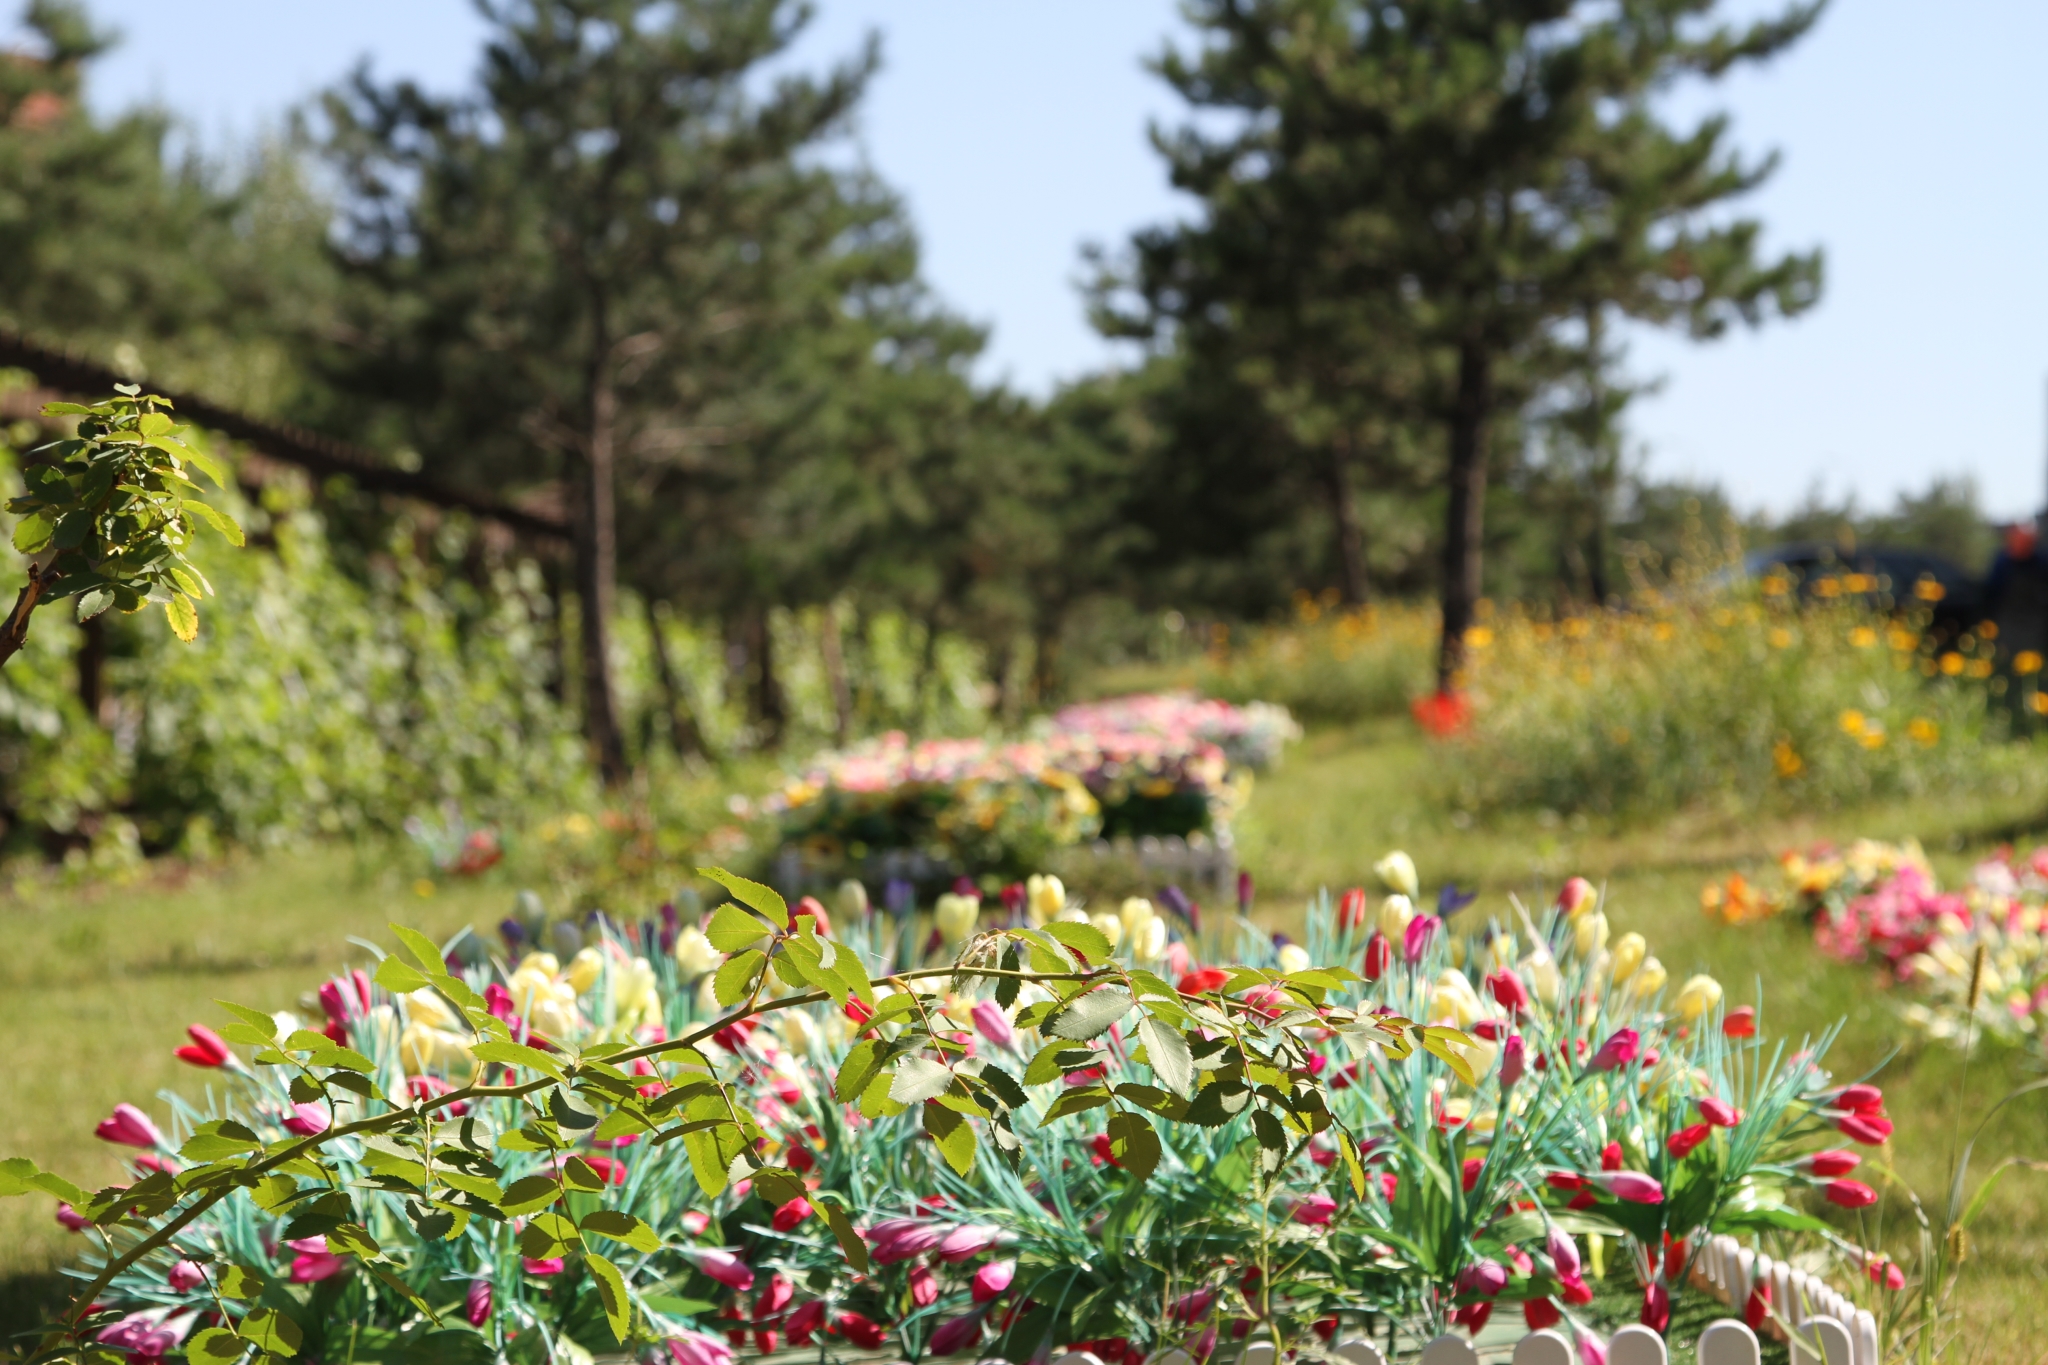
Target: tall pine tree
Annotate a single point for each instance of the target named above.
(1417, 201)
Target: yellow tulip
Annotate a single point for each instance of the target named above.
(1397, 870)
(1697, 998)
(1044, 898)
(694, 954)
(1629, 952)
(1294, 958)
(1539, 969)
(1453, 998)
(1647, 979)
(1134, 912)
(1589, 935)
(1395, 912)
(584, 970)
(425, 1050)
(545, 963)
(955, 915)
(1150, 940)
(427, 1007)
(1110, 926)
(636, 1001)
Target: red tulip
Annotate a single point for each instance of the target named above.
(1850, 1194)
(207, 1048)
(1872, 1130)
(992, 1279)
(861, 1331)
(1540, 1313)
(1203, 980)
(1740, 1022)
(1758, 1307)
(1860, 1099)
(1472, 1317)
(1470, 1171)
(1514, 1059)
(1681, 1143)
(542, 1266)
(1886, 1273)
(1829, 1163)
(1656, 1313)
(1623, 1047)
(804, 1321)
(1315, 1210)
(1575, 895)
(130, 1127)
(1720, 1113)
(1379, 955)
(1566, 1180)
(1508, 991)
(1610, 1157)
(956, 1335)
(792, 1213)
(1577, 1292)
(1351, 909)
(809, 906)
(924, 1286)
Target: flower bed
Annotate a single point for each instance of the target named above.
(1393, 1123)
(1976, 958)
(1132, 766)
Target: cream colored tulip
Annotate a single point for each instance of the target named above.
(425, 1050)
(799, 1032)
(1294, 958)
(1134, 912)
(585, 970)
(955, 916)
(1397, 870)
(694, 954)
(1589, 935)
(1539, 969)
(427, 1007)
(1500, 951)
(1109, 926)
(1395, 912)
(1629, 952)
(545, 963)
(636, 998)
(1044, 897)
(1697, 998)
(1452, 999)
(1150, 940)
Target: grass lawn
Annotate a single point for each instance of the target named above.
(98, 985)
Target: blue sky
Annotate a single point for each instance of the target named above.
(1016, 133)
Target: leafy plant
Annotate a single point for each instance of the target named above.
(109, 513)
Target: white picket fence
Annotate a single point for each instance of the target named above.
(1827, 1329)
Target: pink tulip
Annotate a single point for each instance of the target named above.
(541, 1266)
(1682, 1143)
(307, 1119)
(956, 1335)
(804, 1321)
(1194, 1304)
(1575, 895)
(1872, 1130)
(792, 1213)
(207, 1048)
(699, 1348)
(1850, 1194)
(1564, 1253)
(899, 1239)
(148, 1335)
(968, 1241)
(1720, 1113)
(1415, 939)
(993, 1024)
(1485, 1278)
(1316, 1210)
(187, 1275)
(1592, 1350)
(476, 1304)
(992, 1279)
(924, 1286)
(1514, 1059)
(1618, 1051)
(775, 1297)
(1656, 1314)
(311, 1267)
(130, 1127)
(71, 1219)
(1205, 1344)
(1633, 1186)
(721, 1265)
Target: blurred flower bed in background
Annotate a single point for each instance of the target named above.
(1146, 765)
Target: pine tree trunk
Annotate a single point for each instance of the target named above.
(1465, 525)
(832, 650)
(769, 708)
(597, 566)
(1344, 518)
(683, 731)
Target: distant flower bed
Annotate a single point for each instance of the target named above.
(1977, 956)
(1131, 766)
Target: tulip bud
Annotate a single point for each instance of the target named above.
(1397, 871)
(207, 1048)
(1541, 970)
(1486, 1278)
(1044, 898)
(1829, 1163)
(954, 915)
(1564, 1254)
(1629, 951)
(1656, 1313)
(1849, 1194)
(1621, 1048)
(1872, 1130)
(1351, 909)
(1720, 1113)
(1633, 1186)
(1647, 980)
(1395, 914)
(1415, 939)
(1379, 954)
(1575, 897)
(1508, 991)
(1134, 913)
(694, 954)
(851, 900)
(992, 1279)
(789, 1215)
(476, 1304)
(1294, 958)
(1513, 1060)
(1860, 1099)
(955, 1335)
(1697, 998)
(1589, 935)
(1681, 1143)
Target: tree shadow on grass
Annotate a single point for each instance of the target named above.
(29, 1302)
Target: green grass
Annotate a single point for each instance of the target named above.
(97, 985)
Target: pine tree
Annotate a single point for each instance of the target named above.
(1426, 196)
(557, 269)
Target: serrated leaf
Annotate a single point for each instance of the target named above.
(256, 1019)
(1353, 1168)
(578, 1174)
(766, 899)
(518, 1054)
(862, 1061)
(611, 1290)
(528, 1194)
(732, 929)
(422, 948)
(395, 976)
(918, 1079)
(31, 533)
(548, 1234)
(1090, 1014)
(1077, 1100)
(1167, 1054)
(737, 976)
(1003, 1085)
(215, 1346)
(183, 616)
(952, 1135)
(1084, 938)
(240, 1282)
(1135, 1144)
(272, 1331)
(91, 604)
(622, 1227)
(842, 1228)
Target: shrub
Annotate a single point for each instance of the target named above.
(1329, 666)
(1736, 697)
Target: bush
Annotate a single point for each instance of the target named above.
(1730, 698)
(1330, 667)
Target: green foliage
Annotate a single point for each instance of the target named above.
(1333, 666)
(108, 514)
